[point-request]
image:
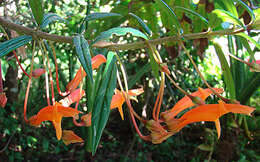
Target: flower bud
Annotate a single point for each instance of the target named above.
(38, 72)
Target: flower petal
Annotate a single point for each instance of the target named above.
(57, 126)
(69, 137)
(73, 97)
(186, 102)
(97, 61)
(73, 84)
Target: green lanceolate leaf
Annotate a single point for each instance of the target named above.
(250, 39)
(119, 31)
(228, 79)
(83, 54)
(14, 43)
(103, 99)
(171, 13)
(49, 18)
(251, 85)
(186, 10)
(249, 10)
(100, 15)
(225, 16)
(141, 22)
(37, 10)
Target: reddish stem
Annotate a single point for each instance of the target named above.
(1, 80)
(20, 64)
(26, 100)
(145, 138)
(57, 75)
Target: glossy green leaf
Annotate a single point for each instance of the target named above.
(100, 15)
(248, 9)
(225, 16)
(103, 99)
(171, 13)
(49, 18)
(141, 22)
(230, 6)
(83, 54)
(14, 43)
(250, 39)
(228, 79)
(188, 11)
(119, 31)
(37, 10)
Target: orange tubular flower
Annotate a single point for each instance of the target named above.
(186, 102)
(210, 112)
(69, 137)
(96, 62)
(118, 99)
(73, 97)
(54, 114)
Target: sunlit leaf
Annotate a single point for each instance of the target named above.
(250, 39)
(100, 15)
(249, 10)
(118, 31)
(228, 79)
(225, 16)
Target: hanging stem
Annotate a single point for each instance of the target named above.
(28, 87)
(57, 75)
(201, 76)
(50, 73)
(46, 81)
(20, 64)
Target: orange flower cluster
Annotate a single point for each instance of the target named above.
(58, 110)
(205, 112)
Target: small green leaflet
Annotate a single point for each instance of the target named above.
(102, 100)
(171, 13)
(119, 31)
(14, 43)
(100, 15)
(250, 39)
(228, 79)
(186, 10)
(141, 22)
(83, 53)
(49, 18)
(37, 10)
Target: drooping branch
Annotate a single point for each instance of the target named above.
(36, 34)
